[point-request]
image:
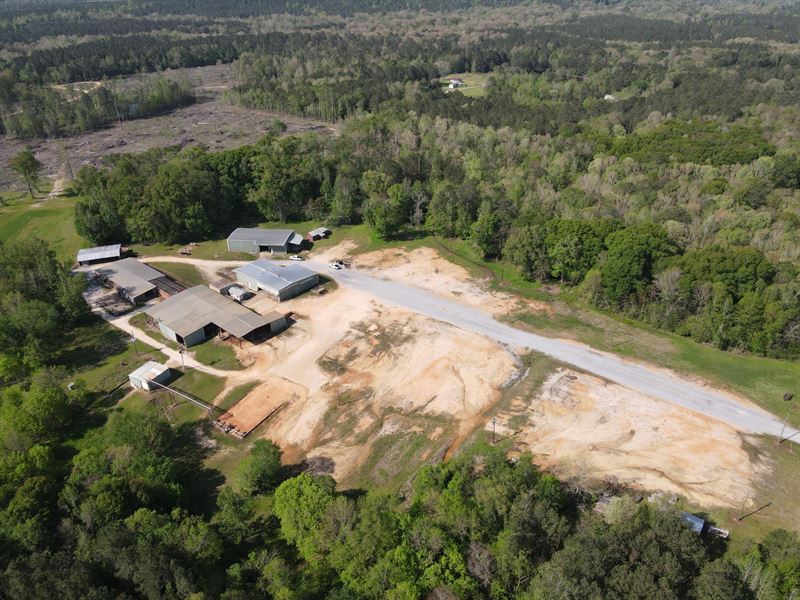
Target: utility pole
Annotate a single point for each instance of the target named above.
(494, 428)
(133, 340)
(787, 397)
(741, 511)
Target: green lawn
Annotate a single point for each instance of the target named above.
(218, 249)
(103, 356)
(218, 354)
(208, 250)
(52, 221)
(185, 274)
(237, 393)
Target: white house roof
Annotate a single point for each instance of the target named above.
(149, 370)
(99, 253)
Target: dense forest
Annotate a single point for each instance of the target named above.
(100, 503)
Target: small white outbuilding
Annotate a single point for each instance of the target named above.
(149, 372)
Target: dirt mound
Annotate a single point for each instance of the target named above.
(386, 392)
(581, 426)
(426, 268)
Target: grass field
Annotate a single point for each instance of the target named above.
(218, 354)
(102, 355)
(474, 83)
(236, 394)
(187, 275)
(52, 221)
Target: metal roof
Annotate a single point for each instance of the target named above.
(694, 522)
(99, 253)
(199, 306)
(322, 231)
(273, 276)
(296, 239)
(149, 370)
(262, 237)
(131, 275)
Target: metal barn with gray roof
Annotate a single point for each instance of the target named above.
(255, 240)
(137, 282)
(279, 282)
(199, 313)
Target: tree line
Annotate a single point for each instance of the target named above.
(44, 111)
(603, 224)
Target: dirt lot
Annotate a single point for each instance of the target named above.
(425, 268)
(372, 392)
(355, 374)
(263, 401)
(581, 426)
(211, 122)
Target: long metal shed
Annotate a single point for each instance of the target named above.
(87, 256)
(256, 240)
(279, 282)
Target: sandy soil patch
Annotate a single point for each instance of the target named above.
(264, 400)
(427, 269)
(358, 373)
(581, 426)
(330, 253)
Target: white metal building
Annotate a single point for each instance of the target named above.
(279, 282)
(87, 256)
(150, 371)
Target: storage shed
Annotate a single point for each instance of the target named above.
(279, 282)
(318, 234)
(255, 240)
(88, 256)
(149, 372)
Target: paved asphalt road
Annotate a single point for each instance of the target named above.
(655, 384)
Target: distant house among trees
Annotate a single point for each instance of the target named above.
(456, 82)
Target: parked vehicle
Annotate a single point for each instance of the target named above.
(296, 257)
(336, 266)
